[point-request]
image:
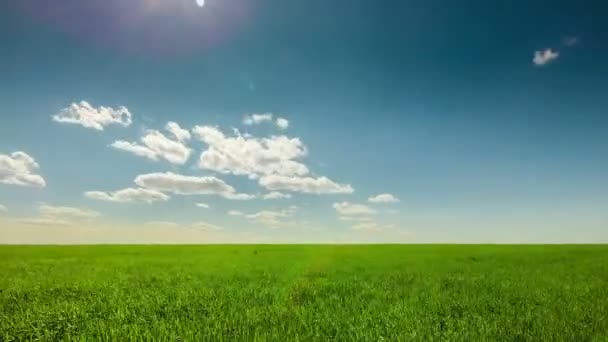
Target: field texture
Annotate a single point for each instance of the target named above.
(291, 293)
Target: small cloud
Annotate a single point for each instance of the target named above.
(256, 119)
(276, 195)
(352, 209)
(128, 195)
(202, 205)
(205, 226)
(43, 221)
(3, 209)
(87, 116)
(20, 169)
(235, 213)
(282, 123)
(321, 185)
(543, 57)
(570, 40)
(273, 219)
(383, 198)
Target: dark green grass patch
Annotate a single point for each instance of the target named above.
(291, 293)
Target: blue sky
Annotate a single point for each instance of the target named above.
(479, 122)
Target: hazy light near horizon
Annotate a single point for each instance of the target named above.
(200, 3)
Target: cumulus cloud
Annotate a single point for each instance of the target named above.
(202, 205)
(320, 185)
(282, 123)
(256, 119)
(276, 195)
(179, 133)
(155, 145)
(383, 198)
(545, 56)
(189, 185)
(235, 213)
(246, 155)
(353, 209)
(205, 226)
(19, 168)
(84, 114)
(67, 212)
(128, 195)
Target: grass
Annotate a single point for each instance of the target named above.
(296, 293)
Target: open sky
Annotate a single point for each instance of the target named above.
(303, 121)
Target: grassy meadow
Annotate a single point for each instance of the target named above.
(301, 293)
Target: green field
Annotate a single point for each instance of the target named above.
(289, 293)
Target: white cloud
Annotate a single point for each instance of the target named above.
(352, 209)
(239, 197)
(371, 227)
(46, 210)
(272, 218)
(235, 213)
(188, 185)
(179, 133)
(205, 226)
(383, 198)
(256, 119)
(3, 209)
(96, 118)
(543, 57)
(282, 123)
(202, 205)
(276, 195)
(19, 168)
(128, 195)
(245, 155)
(155, 145)
(321, 185)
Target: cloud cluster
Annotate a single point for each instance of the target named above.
(383, 198)
(242, 155)
(129, 195)
(544, 57)
(153, 187)
(84, 114)
(19, 168)
(189, 185)
(155, 145)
